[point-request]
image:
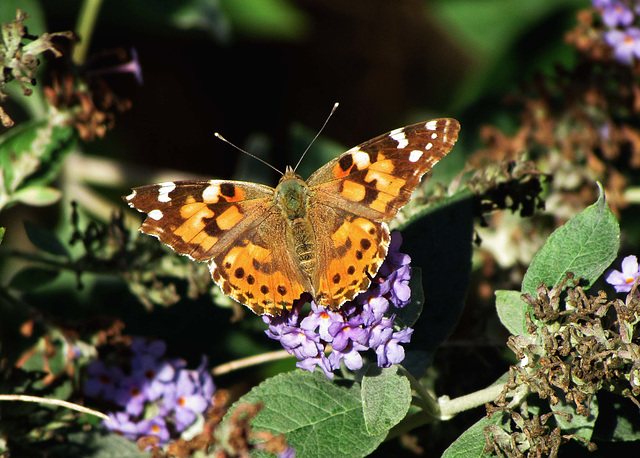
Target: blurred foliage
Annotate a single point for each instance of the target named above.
(546, 112)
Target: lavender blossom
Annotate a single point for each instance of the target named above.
(362, 324)
(615, 13)
(159, 395)
(626, 44)
(623, 281)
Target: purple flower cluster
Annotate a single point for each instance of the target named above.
(622, 36)
(623, 281)
(362, 324)
(158, 396)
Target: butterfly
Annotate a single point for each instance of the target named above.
(326, 236)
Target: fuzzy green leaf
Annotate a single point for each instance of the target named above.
(586, 245)
(37, 196)
(317, 416)
(31, 155)
(511, 311)
(45, 240)
(578, 425)
(386, 398)
(30, 278)
(471, 443)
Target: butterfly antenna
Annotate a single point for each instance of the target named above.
(335, 106)
(247, 153)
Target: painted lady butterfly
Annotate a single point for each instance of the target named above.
(326, 236)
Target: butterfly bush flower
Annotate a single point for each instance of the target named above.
(362, 324)
(623, 281)
(616, 13)
(159, 396)
(625, 43)
(622, 33)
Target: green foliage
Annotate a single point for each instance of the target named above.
(471, 442)
(31, 156)
(310, 409)
(586, 246)
(80, 282)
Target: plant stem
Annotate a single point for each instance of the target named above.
(56, 402)
(84, 28)
(250, 361)
(446, 408)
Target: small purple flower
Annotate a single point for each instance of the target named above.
(186, 400)
(154, 427)
(373, 310)
(121, 423)
(103, 381)
(132, 394)
(309, 364)
(159, 395)
(391, 352)
(351, 331)
(133, 67)
(626, 44)
(350, 354)
(359, 325)
(615, 13)
(321, 319)
(623, 281)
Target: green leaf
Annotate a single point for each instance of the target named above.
(32, 154)
(270, 19)
(2, 231)
(578, 425)
(471, 443)
(439, 241)
(36, 22)
(95, 444)
(386, 398)
(317, 416)
(586, 245)
(30, 278)
(37, 196)
(618, 419)
(45, 240)
(511, 311)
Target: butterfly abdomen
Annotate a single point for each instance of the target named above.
(292, 198)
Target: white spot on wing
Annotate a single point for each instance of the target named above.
(131, 196)
(400, 138)
(431, 125)
(415, 155)
(429, 146)
(211, 193)
(361, 159)
(155, 214)
(165, 189)
(434, 136)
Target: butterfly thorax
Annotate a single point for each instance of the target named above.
(292, 199)
(292, 196)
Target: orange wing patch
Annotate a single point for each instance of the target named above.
(253, 276)
(360, 248)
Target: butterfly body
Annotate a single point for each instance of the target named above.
(326, 236)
